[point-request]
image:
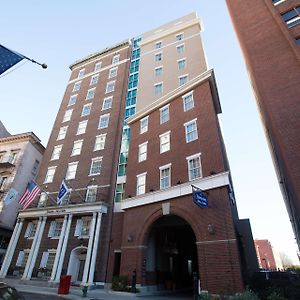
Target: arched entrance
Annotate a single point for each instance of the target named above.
(171, 255)
(76, 263)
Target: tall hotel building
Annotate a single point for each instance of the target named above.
(137, 127)
(269, 35)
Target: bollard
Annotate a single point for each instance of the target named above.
(195, 284)
(84, 290)
(133, 282)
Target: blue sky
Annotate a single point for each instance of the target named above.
(60, 32)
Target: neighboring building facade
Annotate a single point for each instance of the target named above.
(265, 256)
(130, 208)
(20, 157)
(269, 35)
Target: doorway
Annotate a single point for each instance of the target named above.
(76, 264)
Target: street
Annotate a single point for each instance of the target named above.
(29, 296)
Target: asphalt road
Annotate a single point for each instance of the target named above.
(29, 296)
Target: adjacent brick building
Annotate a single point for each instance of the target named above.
(265, 256)
(137, 127)
(269, 35)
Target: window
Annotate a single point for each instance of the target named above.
(142, 152)
(13, 157)
(191, 132)
(180, 49)
(91, 194)
(164, 142)
(158, 89)
(115, 59)
(181, 64)
(103, 122)
(55, 228)
(144, 125)
(62, 133)
(141, 184)
(100, 142)
(71, 171)
(81, 73)
(77, 86)
(72, 100)
(30, 230)
(86, 109)
(194, 166)
(292, 17)
(81, 127)
(97, 66)
(35, 167)
(179, 36)
(56, 152)
(96, 166)
(183, 79)
(50, 174)
(188, 101)
(119, 195)
(158, 56)
(110, 87)
(43, 199)
(77, 147)
(94, 79)
(113, 72)
(107, 103)
(276, 2)
(90, 94)
(47, 261)
(22, 258)
(164, 114)
(158, 45)
(67, 116)
(3, 181)
(82, 229)
(158, 71)
(165, 176)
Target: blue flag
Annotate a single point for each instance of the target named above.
(8, 58)
(63, 192)
(200, 198)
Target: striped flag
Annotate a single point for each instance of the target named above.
(29, 195)
(8, 58)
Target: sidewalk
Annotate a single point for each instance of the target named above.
(97, 294)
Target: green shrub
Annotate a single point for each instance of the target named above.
(119, 283)
(275, 296)
(247, 295)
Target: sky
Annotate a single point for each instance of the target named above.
(60, 32)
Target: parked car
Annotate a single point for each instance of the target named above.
(9, 293)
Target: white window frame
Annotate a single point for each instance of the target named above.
(94, 79)
(115, 59)
(71, 170)
(31, 229)
(142, 154)
(179, 36)
(72, 100)
(83, 113)
(160, 91)
(163, 118)
(158, 45)
(43, 199)
(81, 129)
(161, 169)
(144, 124)
(67, 115)
(98, 65)
(165, 142)
(91, 193)
(77, 146)
(194, 121)
(50, 174)
(62, 133)
(110, 87)
(77, 86)
(81, 73)
(113, 72)
(107, 100)
(141, 186)
(187, 105)
(56, 152)
(185, 76)
(90, 94)
(158, 71)
(180, 48)
(96, 159)
(179, 61)
(103, 121)
(189, 159)
(158, 56)
(100, 142)
(79, 229)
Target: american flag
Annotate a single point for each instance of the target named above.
(29, 195)
(8, 58)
